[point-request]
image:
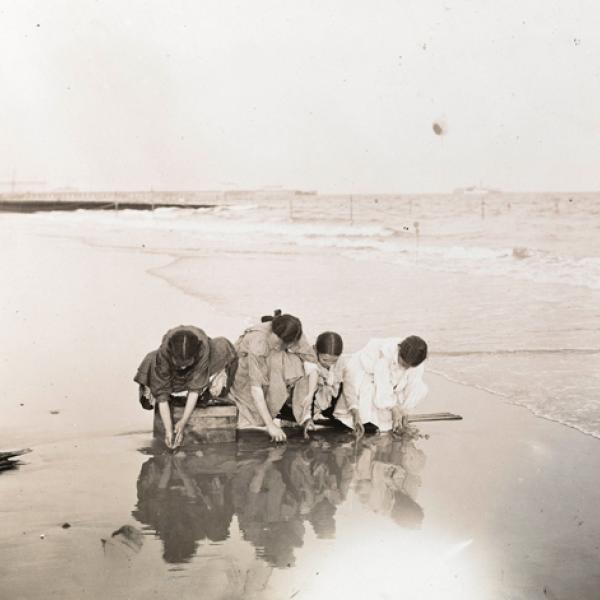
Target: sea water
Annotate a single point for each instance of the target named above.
(504, 287)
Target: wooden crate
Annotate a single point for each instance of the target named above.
(213, 424)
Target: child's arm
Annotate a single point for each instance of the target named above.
(408, 397)
(385, 396)
(415, 389)
(190, 405)
(277, 434)
(165, 414)
(313, 380)
(398, 414)
(351, 398)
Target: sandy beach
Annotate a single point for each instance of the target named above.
(500, 505)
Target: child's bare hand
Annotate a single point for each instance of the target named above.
(179, 429)
(277, 434)
(359, 429)
(309, 425)
(397, 419)
(169, 439)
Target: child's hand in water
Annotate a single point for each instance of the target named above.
(277, 434)
(397, 419)
(179, 429)
(359, 428)
(169, 439)
(309, 425)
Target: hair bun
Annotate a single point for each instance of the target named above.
(267, 318)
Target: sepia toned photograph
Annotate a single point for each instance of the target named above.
(299, 300)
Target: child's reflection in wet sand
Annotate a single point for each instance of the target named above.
(387, 478)
(274, 491)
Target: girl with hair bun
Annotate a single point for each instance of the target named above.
(271, 375)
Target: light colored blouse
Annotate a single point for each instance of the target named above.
(329, 381)
(263, 364)
(394, 384)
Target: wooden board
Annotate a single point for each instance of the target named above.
(212, 424)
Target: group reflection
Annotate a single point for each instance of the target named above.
(189, 498)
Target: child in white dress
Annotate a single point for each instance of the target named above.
(384, 381)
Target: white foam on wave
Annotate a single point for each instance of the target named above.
(211, 221)
(367, 241)
(539, 267)
(522, 402)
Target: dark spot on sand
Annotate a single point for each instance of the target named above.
(437, 129)
(520, 252)
(55, 412)
(66, 525)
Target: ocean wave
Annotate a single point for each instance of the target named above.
(211, 220)
(368, 241)
(515, 352)
(515, 400)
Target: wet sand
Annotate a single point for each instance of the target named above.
(499, 505)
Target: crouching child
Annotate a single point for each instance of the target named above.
(188, 364)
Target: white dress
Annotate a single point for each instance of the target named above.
(378, 383)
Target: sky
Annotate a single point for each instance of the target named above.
(339, 96)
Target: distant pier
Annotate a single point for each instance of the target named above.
(29, 202)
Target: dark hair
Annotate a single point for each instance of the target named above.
(287, 328)
(183, 346)
(413, 350)
(267, 318)
(329, 342)
(406, 512)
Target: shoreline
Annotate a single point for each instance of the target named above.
(177, 255)
(508, 500)
(512, 402)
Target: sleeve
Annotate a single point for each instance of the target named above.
(384, 390)
(415, 389)
(310, 367)
(349, 387)
(143, 373)
(303, 350)
(258, 371)
(160, 376)
(198, 381)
